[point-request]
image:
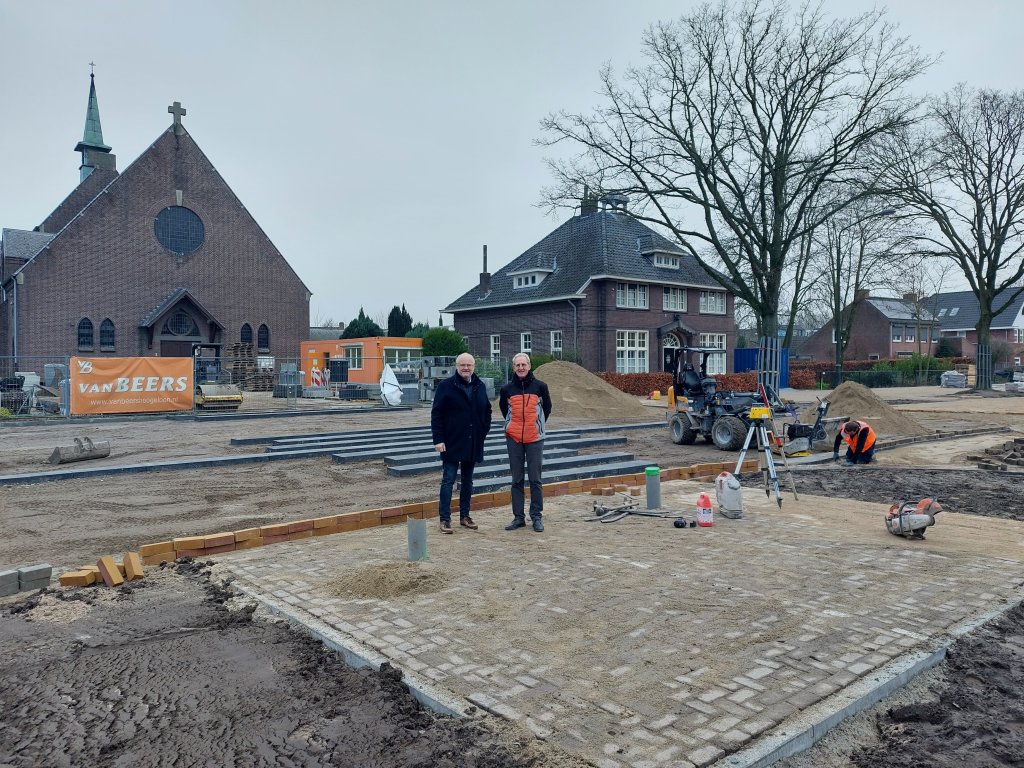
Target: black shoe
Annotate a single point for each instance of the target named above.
(517, 523)
(446, 526)
(538, 525)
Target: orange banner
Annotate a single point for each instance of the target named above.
(131, 384)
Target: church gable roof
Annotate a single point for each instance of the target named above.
(78, 200)
(173, 298)
(602, 244)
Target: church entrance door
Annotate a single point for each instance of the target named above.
(175, 348)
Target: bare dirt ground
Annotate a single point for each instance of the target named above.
(170, 671)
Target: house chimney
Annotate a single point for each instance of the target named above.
(861, 294)
(485, 277)
(910, 298)
(588, 204)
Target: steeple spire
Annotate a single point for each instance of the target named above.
(95, 154)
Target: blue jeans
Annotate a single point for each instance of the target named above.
(449, 469)
(532, 455)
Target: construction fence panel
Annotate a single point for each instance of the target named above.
(35, 387)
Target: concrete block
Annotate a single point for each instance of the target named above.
(248, 544)
(29, 586)
(277, 529)
(394, 520)
(219, 550)
(133, 566)
(109, 571)
(349, 522)
(390, 512)
(322, 531)
(429, 509)
(35, 573)
(9, 577)
(275, 539)
(295, 536)
(189, 542)
(325, 522)
(218, 540)
(152, 549)
(195, 553)
(77, 579)
(247, 534)
(158, 557)
(300, 525)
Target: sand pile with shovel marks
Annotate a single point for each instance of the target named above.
(578, 394)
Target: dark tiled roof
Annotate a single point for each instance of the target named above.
(324, 333)
(959, 310)
(78, 200)
(21, 245)
(605, 243)
(899, 309)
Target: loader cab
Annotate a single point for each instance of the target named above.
(690, 378)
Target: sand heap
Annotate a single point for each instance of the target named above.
(860, 403)
(578, 394)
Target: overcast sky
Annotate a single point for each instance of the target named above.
(378, 144)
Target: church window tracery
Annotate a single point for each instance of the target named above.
(263, 338)
(179, 230)
(85, 334)
(107, 335)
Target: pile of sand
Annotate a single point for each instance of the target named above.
(861, 404)
(578, 394)
(383, 581)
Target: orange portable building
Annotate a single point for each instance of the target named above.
(366, 357)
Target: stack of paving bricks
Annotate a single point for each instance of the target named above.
(611, 490)
(25, 579)
(107, 570)
(1001, 457)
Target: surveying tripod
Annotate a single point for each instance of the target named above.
(759, 419)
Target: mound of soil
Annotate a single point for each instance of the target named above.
(860, 403)
(577, 393)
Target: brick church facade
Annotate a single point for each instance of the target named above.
(161, 259)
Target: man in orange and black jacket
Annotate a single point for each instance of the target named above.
(526, 405)
(860, 441)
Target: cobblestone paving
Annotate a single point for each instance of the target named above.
(638, 644)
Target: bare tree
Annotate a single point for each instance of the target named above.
(735, 130)
(921, 286)
(860, 249)
(963, 174)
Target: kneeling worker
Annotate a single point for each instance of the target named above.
(860, 439)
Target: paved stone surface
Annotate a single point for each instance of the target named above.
(638, 644)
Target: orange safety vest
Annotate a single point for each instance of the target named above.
(852, 440)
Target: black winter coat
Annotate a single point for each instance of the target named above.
(461, 418)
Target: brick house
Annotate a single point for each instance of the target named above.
(883, 328)
(154, 260)
(958, 313)
(603, 289)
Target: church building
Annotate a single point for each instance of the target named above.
(160, 259)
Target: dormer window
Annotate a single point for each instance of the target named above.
(528, 278)
(953, 311)
(666, 260)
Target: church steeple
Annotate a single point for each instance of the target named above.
(95, 154)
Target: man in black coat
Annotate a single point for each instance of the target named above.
(460, 419)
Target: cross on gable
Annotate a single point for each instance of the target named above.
(178, 111)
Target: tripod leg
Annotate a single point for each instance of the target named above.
(743, 453)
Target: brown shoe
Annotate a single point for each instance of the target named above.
(467, 522)
(446, 526)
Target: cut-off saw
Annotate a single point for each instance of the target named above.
(909, 519)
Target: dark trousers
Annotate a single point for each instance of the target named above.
(532, 455)
(449, 469)
(860, 458)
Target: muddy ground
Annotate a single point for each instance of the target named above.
(171, 672)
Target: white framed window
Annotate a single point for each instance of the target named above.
(953, 311)
(874, 357)
(495, 347)
(666, 260)
(526, 342)
(904, 355)
(396, 355)
(712, 302)
(631, 352)
(716, 363)
(942, 312)
(631, 295)
(525, 281)
(961, 334)
(355, 357)
(897, 333)
(674, 300)
(1018, 335)
(935, 333)
(556, 342)
(909, 333)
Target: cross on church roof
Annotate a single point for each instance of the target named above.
(178, 111)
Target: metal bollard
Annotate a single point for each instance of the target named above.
(653, 487)
(417, 533)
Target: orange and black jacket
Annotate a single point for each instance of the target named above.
(526, 404)
(863, 441)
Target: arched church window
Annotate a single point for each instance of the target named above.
(179, 230)
(85, 333)
(246, 333)
(107, 334)
(263, 339)
(181, 324)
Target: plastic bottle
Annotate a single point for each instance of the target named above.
(705, 512)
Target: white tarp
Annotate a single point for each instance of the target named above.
(390, 389)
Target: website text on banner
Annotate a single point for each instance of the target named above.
(130, 384)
